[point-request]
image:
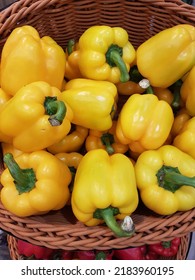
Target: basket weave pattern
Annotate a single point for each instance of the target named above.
(181, 253)
(67, 19)
(64, 20)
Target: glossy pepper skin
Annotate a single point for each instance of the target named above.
(188, 92)
(173, 47)
(93, 102)
(105, 54)
(34, 117)
(131, 253)
(136, 253)
(94, 255)
(106, 140)
(128, 88)
(163, 94)
(72, 160)
(140, 123)
(166, 180)
(184, 140)
(180, 119)
(72, 142)
(72, 70)
(27, 58)
(34, 184)
(166, 248)
(65, 255)
(108, 190)
(9, 148)
(31, 251)
(4, 97)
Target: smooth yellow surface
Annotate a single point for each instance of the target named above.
(185, 140)
(72, 142)
(167, 56)
(70, 159)
(94, 43)
(92, 102)
(50, 191)
(102, 181)
(4, 97)
(188, 92)
(156, 198)
(23, 118)
(27, 58)
(94, 140)
(144, 122)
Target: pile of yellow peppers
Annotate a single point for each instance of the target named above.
(98, 126)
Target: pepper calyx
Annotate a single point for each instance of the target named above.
(107, 214)
(171, 179)
(24, 179)
(107, 140)
(114, 58)
(166, 244)
(56, 110)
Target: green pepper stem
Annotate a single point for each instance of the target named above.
(70, 46)
(100, 256)
(114, 58)
(135, 75)
(145, 84)
(149, 90)
(166, 244)
(175, 88)
(24, 179)
(73, 173)
(107, 214)
(171, 179)
(107, 140)
(55, 109)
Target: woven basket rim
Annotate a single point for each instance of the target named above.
(54, 230)
(182, 252)
(16, 10)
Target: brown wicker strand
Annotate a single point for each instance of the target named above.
(181, 254)
(64, 20)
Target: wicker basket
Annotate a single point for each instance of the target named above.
(181, 254)
(62, 20)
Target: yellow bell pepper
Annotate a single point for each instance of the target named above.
(35, 118)
(171, 95)
(185, 139)
(181, 117)
(166, 180)
(164, 94)
(34, 183)
(104, 188)
(9, 148)
(106, 140)
(167, 56)
(105, 54)
(4, 97)
(72, 160)
(27, 58)
(93, 102)
(72, 142)
(129, 88)
(72, 70)
(144, 122)
(188, 92)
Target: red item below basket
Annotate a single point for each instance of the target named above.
(166, 248)
(136, 253)
(31, 251)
